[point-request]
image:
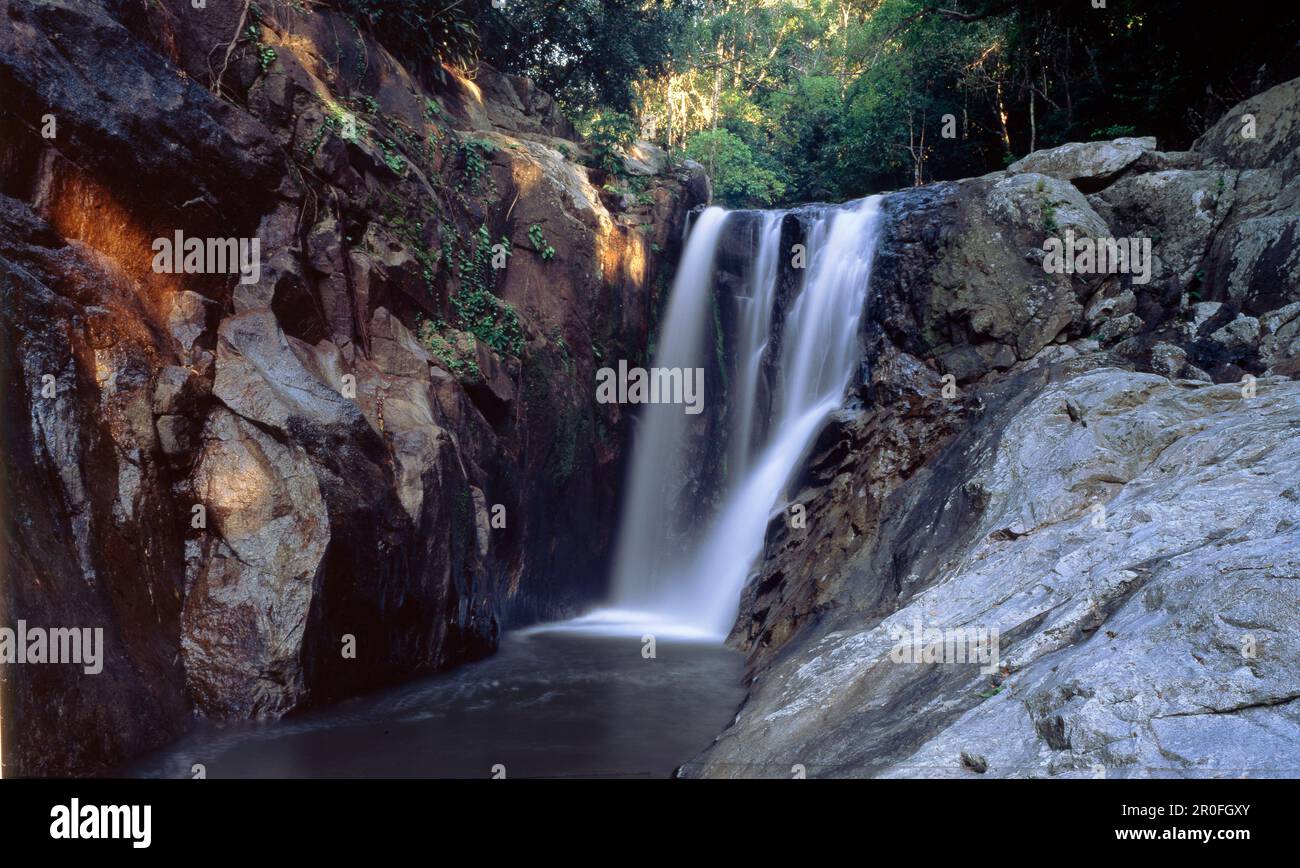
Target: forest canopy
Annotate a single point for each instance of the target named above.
(802, 100)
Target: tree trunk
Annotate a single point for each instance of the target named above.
(668, 100)
(1002, 120)
(1033, 122)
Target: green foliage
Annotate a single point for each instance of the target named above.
(839, 99)
(392, 158)
(799, 100)
(565, 358)
(1049, 217)
(546, 251)
(738, 180)
(610, 134)
(586, 53)
(801, 137)
(333, 122)
(1114, 131)
(478, 310)
(473, 155)
(266, 55)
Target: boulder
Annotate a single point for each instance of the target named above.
(1239, 337)
(1280, 342)
(1170, 360)
(188, 318)
(245, 617)
(645, 159)
(1103, 308)
(259, 377)
(961, 265)
(1262, 132)
(1256, 259)
(1088, 165)
(1180, 211)
(1117, 328)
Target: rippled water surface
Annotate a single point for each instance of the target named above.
(550, 703)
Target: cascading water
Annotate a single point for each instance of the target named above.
(754, 334)
(659, 458)
(693, 582)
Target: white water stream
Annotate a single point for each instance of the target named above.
(687, 582)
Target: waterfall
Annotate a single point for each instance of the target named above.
(690, 581)
(659, 457)
(754, 316)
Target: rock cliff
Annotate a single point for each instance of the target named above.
(360, 460)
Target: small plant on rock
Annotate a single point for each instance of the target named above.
(545, 250)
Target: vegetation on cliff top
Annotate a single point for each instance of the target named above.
(798, 100)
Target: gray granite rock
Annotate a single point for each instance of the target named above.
(1136, 543)
(1096, 162)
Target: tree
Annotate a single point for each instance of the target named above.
(738, 180)
(586, 53)
(840, 98)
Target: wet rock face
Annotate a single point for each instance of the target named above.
(1047, 454)
(277, 489)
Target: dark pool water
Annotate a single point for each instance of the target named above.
(547, 704)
